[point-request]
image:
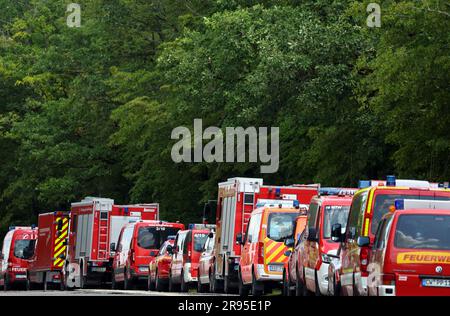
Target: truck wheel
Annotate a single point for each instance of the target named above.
(298, 285)
(159, 285)
(127, 283)
(28, 284)
(243, 289)
(172, 286)
(113, 281)
(286, 285)
(336, 287)
(226, 285)
(257, 287)
(184, 287)
(214, 284)
(317, 290)
(6, 284)
(62, 283)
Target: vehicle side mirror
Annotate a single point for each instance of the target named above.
(336, 233)
(113, 246)
(153, 253)
(239, 239)
(210, 235)
(312, 234)
(287, 253)
(363, 241)
(1, 256)
(289, 242)
(169, 249)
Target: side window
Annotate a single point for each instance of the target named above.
(356, 215)
(378, 236)
(126, 238)
(312, 215)
(256, 227)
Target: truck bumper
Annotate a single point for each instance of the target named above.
(261, 275)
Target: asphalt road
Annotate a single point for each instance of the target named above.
(101, 292)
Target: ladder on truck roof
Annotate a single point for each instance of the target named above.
(102, 242)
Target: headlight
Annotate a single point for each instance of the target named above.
(326, 259)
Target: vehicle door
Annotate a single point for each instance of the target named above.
(349, 248)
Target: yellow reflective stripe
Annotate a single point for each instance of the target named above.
(275, 253)
(59, 252)
(366, 229)
(57, 262)
(270, 247)
(369, 204)
(64, 234)
(59, 245)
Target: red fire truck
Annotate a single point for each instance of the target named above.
(95, 225)
(47, 263)
(237, 198)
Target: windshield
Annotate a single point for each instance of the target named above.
(24, 248)
(423, 232)
(384, 201)
(199, 241)
(334, 214)
(154, 237)
(281, 225)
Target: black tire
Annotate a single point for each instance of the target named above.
(44, 283)
(201, 288)
(243, 289)
(6, 283)
(159, 284)
(150, 284)
(62, 283)
(286, 284)
(336, 287)
(184, 287)
(127, 281)
(82, 278)
(317, 288)
(305, 291)
(257, 287)
(172, 286)
(28, 284)
(214, 285)
(298, 286)
(113, 281)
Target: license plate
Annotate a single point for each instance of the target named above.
(275, 268)
(98, 269)
(436, 282)
(21, 276)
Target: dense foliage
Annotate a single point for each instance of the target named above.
(90, 110)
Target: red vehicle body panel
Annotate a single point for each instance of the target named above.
(14, 269)
(410, 266)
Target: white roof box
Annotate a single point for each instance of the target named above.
(409, 204)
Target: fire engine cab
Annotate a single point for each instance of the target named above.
(95, 225)
(237, 198)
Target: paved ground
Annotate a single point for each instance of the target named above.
(101, 292)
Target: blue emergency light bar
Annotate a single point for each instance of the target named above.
(171, 237)
(399, 204)
(391, 181)
(11, 227)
